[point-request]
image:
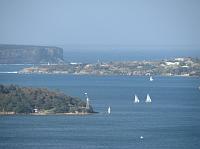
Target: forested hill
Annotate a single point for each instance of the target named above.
(15, 99)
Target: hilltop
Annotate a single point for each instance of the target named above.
(27, 100)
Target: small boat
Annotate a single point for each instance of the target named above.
(151, 78)
(148, 99)
(109, 110)
(136, 99)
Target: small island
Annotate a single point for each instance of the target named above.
(39, 101)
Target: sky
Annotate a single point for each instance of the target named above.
(137, 23)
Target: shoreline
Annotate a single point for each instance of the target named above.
(75, 74)
(43, 113)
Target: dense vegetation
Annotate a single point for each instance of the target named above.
(25, 99)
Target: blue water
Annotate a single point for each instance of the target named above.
(92, 54)
(171, 121)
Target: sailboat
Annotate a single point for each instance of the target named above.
(109, 110)
(151, 78)
(148, 99)
(136, 99)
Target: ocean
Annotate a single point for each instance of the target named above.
(171, 121)
(93, 54)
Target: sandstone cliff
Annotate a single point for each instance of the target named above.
(23, 54)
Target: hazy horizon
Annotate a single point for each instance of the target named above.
(105, 30)
(137, 23)
(106, 53)
(94, 53)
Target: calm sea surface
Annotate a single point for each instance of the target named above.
(171, 121)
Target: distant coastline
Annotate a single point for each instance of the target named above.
(170, 67)
(29, 54)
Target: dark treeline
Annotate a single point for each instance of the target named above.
(25, 99)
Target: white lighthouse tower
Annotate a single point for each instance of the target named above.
(87, 102)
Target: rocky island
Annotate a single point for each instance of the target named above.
(25, 54)
(39, 101)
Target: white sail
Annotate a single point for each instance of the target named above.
(109, 110)
(148, 99)
(136, 99)
(151, 78)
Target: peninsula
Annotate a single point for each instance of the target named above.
(39, 101)
(168, 67)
